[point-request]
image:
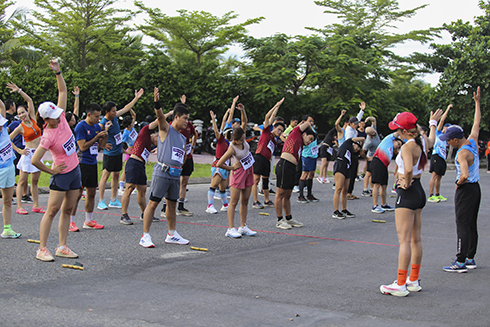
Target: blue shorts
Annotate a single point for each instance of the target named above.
(309, 164)
(66, 182)
(135, 172)
(222, 172)
(7, 176)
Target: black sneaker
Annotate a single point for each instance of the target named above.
(348, 214)
(125, 220)
(261, 192)
(26, 199)
(271, 191)
(14, 203)
(366, 193)
(311, 198)
(257, 205)
(269, 204)
(302, 199)
(338, 215)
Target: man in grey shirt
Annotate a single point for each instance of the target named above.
(370, 146)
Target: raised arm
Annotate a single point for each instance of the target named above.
(217, 134)
(269, 117)
(304, 126)
(161, 118)
(137, 96)
(3, 111)
(372, 120)
(30, 105)
(225, 118)
(62, 91)
(232, 109)
(362, 107)
(241, 107)
(475, 130)
(76, 104)
(339, 120)
(153, 124)
(434, 116)
(443, 118)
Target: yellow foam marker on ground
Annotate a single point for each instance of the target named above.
(198, 249)
(33, 241)
(72, 267)
(378, 221)
(263, 213)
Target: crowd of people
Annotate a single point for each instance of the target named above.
(236, 173)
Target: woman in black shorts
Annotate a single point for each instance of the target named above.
(410, 200)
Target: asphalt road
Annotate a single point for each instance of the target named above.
(327, 273)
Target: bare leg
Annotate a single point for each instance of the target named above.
(66, 207)
(114, 183)
(235, 196)
(149, 213)
(339, 187)
(254, 188)
(7, 194)
(54, 204)
(21, 185)
(126, 197)
(34, 189)
(102, 183)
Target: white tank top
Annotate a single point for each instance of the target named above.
(401, 164)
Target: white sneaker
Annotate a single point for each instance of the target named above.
(233, 233)
(146, 241)
(413, 286)
(176, 239)
(246, 231)
(394, 289)
(295, 189)
(282, 224)
(211, 209)
(320, 180)
(224, 208)
(120, 191)
(326, 180)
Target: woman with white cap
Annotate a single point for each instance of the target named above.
(66, 179)
(7, 175)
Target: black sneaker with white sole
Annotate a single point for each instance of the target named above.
(338, 215)
(125, 220)
(348, 214)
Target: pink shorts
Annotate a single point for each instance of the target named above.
(242, 179)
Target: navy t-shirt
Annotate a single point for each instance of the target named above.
(84, 131)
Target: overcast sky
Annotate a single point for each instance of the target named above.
(291, 17)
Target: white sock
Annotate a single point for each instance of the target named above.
(113, 199)
(121, 185)
(88, 217)
(71, 218)
(144, 234)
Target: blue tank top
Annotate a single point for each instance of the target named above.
(474, 175)
(342, 140)
(170, 152)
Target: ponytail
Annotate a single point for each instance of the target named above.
(418, 139)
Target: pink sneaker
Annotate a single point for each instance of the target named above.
(92, 225)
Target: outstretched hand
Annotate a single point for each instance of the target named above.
(436, 115)
(362, 105)
(156, 94)
(476, 95)
(13, 88)
(183, 98)
(240, 106)
(213, 115)
(54, 65)
(139, 93)
(343, 112)
(76, 91)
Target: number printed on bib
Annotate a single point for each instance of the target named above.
(118, 138)
(94, 149)
(347, 155)
(178, 155)
(271, 146)
(248, 161)
(330, 150)
(188, 148)
(145, 154)
(133, 135)
(69, 146)
(314, 150)
(6, 153)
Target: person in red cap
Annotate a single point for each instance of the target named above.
(410, 199)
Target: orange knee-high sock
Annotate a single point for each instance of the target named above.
(414, 272)
(402, 277)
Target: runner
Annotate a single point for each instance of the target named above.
(293, 122)
(264, 154)
(241, 179)
(309, 157)
(112, 164)
(136, 171)
(342, 170)
(327, 154)
(468, 194)
(166, 172)
(89, 137)
(286, 168)
(438, 161)
(379, 170)
(7, 175)
(129, 136)
(370, 146)
(351, 132)
(65, 181)
(32, 136)
(410, 200)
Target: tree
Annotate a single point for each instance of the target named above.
(197, 31)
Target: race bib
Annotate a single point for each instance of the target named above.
(188, 148)
(442, 150)
(330, 150)
(178, 155)
(69, 146)
(94, 149)
(145, 154)
(118, 138)
(133, 135)
(6, 152)
(347, 156)
(271, 146)
(299, 151)
(314, 150)
(228, 162)
(248, 161)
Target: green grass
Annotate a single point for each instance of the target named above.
(200, 170)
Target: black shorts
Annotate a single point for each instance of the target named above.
(112, 163)
(66, 182)
(437, 165)
(341, 166)
(285, 171)
(135, 172)
(262, 166)
(327, 152)
(379, 172)
(368, 164)
(90, 176)
(187, 168)
(413, 198)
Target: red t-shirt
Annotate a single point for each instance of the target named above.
(267, 144)
(294, 143)
(188, 132)
(142, 146)
(221, 148)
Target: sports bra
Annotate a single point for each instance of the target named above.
(401, 164)
(31, 133)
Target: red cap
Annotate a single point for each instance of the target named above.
(403, 120)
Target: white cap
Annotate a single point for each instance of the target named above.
(49, 110)
(3, 120)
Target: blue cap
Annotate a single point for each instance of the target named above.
(452, 132)
(447, 125)
(237, 120)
